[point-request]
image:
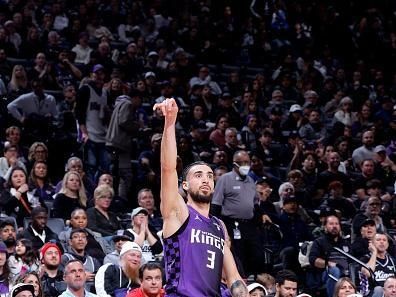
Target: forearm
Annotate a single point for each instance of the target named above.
(168, 148)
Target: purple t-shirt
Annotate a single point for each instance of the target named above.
(194, 257)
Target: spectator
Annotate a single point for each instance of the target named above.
(375, 261)
(8, 235)
(18, 84)
(52, 276)
(97, 246)
(75, 277)
(324, 258)
(25, 259)
(204, 78)
(145, 199)
(16, 199)
(93, 121)
(390, 287)
(38, 151)
(345, 114)
(44, 71)
(144, 235)
(71, 196)
(365, 151)
(151, 276)
(113, 279)
(122, 128)
(66, 73)
(217, 136)
(361, 243)
(32, 278)
(336, 201)
(286, 284)
(314, 129)
(82, 49)
(77, 251)
(39, 182)
(10, 160)
(22, 290)
(119, 239)
(38, 232)
(256, 290)
(344, 287)
(100, 219)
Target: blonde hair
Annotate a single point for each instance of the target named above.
(103, 191)
(33, 148)
(82, 196)
(16, 83)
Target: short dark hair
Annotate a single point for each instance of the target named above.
(150, 266)
(37, 210)
(285, 275)
(5, 223)
(186, 170)
(77, 230)
(72, 261)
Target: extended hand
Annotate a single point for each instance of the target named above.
(169, 109)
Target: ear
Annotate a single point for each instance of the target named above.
(185, 186)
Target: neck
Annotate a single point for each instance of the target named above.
(101, 210)
(79, 253)
(77, 292)
(201, 208)
(51, 272)
(40, 182)
(71, 194)
(381, 255)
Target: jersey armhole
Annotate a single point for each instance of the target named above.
(180, 230)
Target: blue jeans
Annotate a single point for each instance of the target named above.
(96, 158)
(330, 283)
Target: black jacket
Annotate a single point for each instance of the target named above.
(36, 241)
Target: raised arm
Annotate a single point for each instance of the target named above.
(173, 207)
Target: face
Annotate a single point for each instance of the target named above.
(373, 206)
(257, 293)
(198, 112)
(14, 136)
(222, 124)
(151, 282)
(79, 241)
(381, 242)
(346, 289)
(290, 207)
(11, 153)
(132, 258)
(332, 226)
(79, 220)
(368, 168)
(309, 163)
(220, 157)
(40, 221)
(73, 182)
(146, 200)
(40, 170)
(51, 257)
(103, 202)
(76, 165)
(288, 289)
(368, 138)
(231, 138)
(18, 178)
(7, 233)
(390, 287)
(139, 219)
(24, 294)
(20, 248)
(40, 154)
(314, 117)
(200, 183)
(333, 160)
(75, 276)
(31, 279)
(118, 245)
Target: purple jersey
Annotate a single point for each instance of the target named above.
(194, 257)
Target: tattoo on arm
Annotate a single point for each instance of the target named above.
(238, 289)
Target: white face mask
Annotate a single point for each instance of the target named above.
(244, 170)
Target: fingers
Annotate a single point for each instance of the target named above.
(167, 105)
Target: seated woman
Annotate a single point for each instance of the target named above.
(39, 182)
(144, 235)
(16, 200)
(100, 219)
(38, 151)
(71, 196)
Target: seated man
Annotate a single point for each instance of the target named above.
(360, 246)
(75, 278)
(119, 239)
(150, 275)
(52, 276)
(38, 232)
(112, 278)
(77, 244)
(8, 235)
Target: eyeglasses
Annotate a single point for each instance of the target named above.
(375, 204)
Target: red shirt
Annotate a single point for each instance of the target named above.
(139, 293)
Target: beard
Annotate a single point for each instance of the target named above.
(196, 197)
(51, 267)
(131, 272)
(10, 242)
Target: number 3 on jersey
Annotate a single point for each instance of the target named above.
(211, 259)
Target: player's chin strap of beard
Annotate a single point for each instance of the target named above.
(239, 289)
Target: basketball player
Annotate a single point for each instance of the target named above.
(194, 242)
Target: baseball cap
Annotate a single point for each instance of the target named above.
(367, 222)
(156, 137)
(253, 286)
(148, 74)
(295, 107)
(152, 53)
(122, 235)
(379, 148)
(18, 288)
(130, 246)
(97, 67)
(138, 210)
